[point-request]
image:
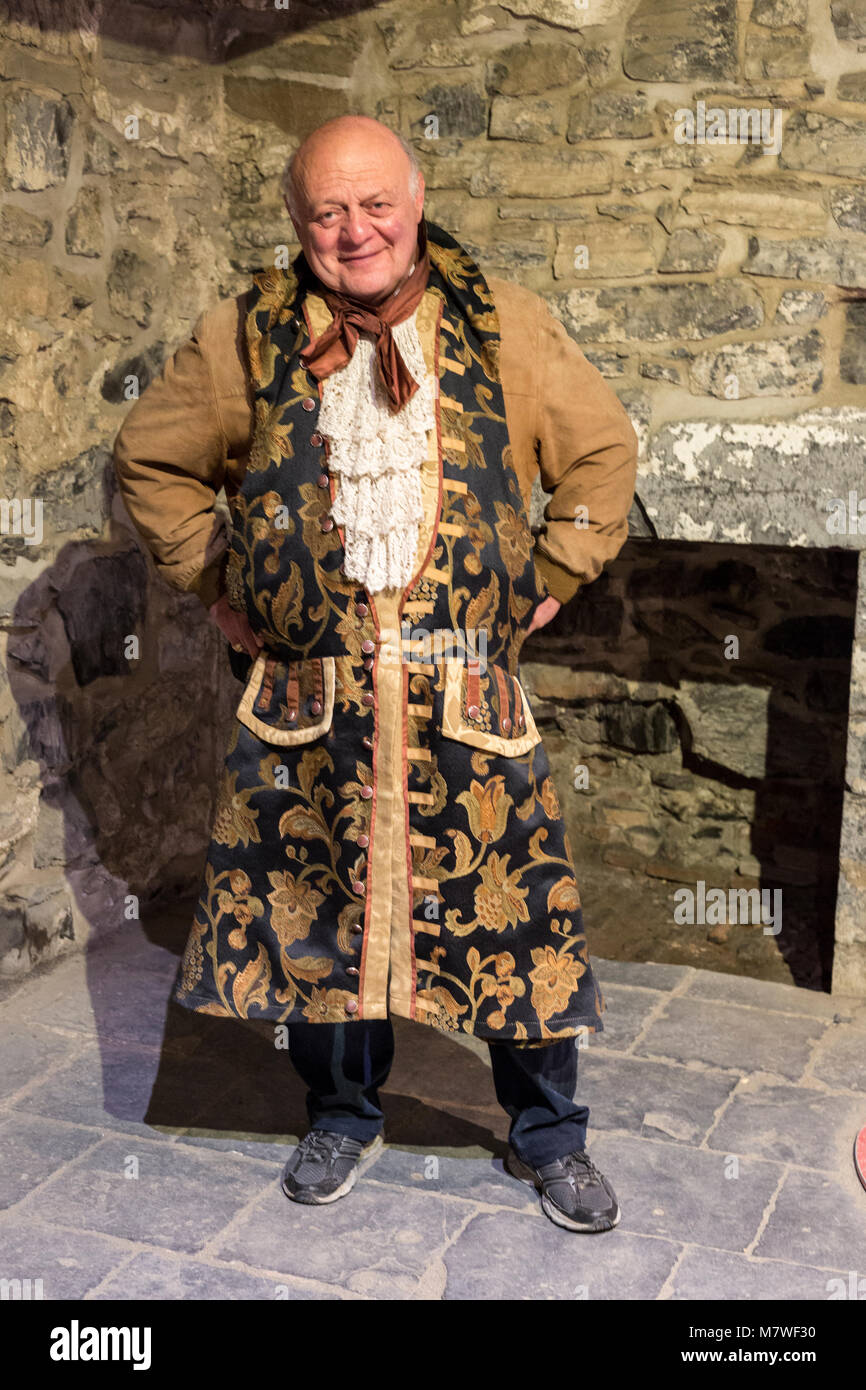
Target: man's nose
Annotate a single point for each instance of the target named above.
(356, 228)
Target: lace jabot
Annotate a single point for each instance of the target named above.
(378, 457)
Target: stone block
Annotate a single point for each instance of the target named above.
(690, 40)
(770, 367)
(38, 134)
(655, 313)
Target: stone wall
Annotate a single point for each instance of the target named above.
(719, 287)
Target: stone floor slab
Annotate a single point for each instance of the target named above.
(724, 1035)
(720, 1274)
(124, 1087)
(180, 1200)
(818, 1220)
(760, 994)
(68, 1262)
(154, 1276)
(638, 972)
(791, 1124)
(33, 1148)
(506, 1255)
(658, 1099)
(683, 1194)
(840, 1059)
(29, 1051)
(628, 1008)
(366, 1242)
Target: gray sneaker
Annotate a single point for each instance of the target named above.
(574, 1194)
(326, 1165)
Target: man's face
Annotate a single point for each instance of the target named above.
(358, 223)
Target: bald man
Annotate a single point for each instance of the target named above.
(388, 837)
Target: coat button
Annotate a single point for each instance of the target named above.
(294, 323)
(368, 646)
(369, 663)
(324, 480)
(316, 707)
(315, 439)
(358, 887)
(308, 403)
(473, 711)
(367, 741)
(366, 791)
(368, 699)
(352, 1006)
(506, 724)
(363, 841)
(361, 609)
(326, 524)
(352, 970)
(357, 928)
(521, 720)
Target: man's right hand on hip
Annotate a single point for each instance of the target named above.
(235, 627)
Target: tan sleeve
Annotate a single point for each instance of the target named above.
(170, 461)
(587, 454)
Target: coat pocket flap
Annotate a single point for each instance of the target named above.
(288, 702)
(487, 709)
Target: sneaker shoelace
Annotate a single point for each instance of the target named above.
(580, 1165)
(320, 1144)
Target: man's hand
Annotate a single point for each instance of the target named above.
(235, 627)
(544, 613)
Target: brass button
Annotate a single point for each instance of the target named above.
(316, 707)
(506, 723)
(324, 480)
(367, 645)
(358, 886)
(352, 970)
(366, 791)
(473, 711)
(357, 928)
(327, 523)
(361, 609)
(363, 841)
(316, 439)
(352, 1006)
(368, 699)
(367, 741)
(308, 403)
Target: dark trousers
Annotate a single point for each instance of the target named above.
(344, 1064)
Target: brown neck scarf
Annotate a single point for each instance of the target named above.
(352, 317)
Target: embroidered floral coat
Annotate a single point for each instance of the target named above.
(388, 837)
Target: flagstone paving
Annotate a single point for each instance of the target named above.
(142, 1148)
